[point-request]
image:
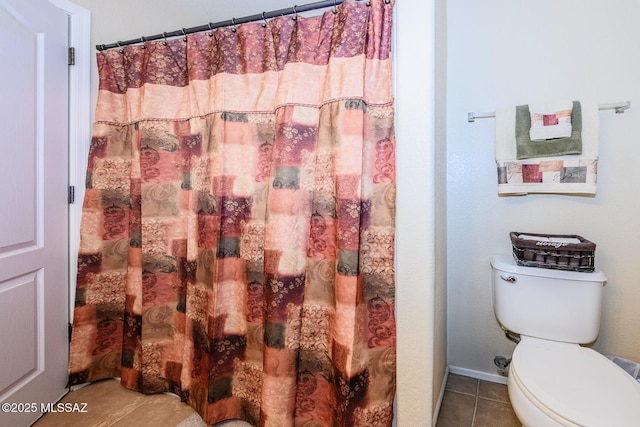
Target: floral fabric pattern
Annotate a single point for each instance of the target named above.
(238, 224)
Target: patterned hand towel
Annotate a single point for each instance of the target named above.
(550, 121)
(526, 148)
(566, 174)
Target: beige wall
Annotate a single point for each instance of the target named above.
(508, 53)
(421, 269)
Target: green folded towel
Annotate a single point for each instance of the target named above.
(526, 148)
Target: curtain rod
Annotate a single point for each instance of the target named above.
(232, 22)
(620, 108)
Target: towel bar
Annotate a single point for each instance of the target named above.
(620, 108)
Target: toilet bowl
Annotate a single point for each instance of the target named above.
(555, 384)
(553, 380)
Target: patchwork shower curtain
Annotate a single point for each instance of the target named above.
(238, 225)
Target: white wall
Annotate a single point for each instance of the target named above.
(421, 255)
(518, 52)
(420, 243)
(439, 204)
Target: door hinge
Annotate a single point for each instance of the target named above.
(72, 56)
(72, 194)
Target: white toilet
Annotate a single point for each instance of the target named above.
(553, 381)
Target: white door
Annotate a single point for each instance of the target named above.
(33, 208)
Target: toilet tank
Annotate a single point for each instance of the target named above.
(544, 303)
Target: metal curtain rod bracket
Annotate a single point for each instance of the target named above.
(263, 16)
(619, 107)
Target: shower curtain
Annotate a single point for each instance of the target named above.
(237, 234)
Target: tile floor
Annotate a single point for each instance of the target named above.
(467, 402)
(111, 405)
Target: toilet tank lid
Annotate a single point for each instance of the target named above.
(507, 264)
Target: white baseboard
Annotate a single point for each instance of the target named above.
(494, 378)
(440, 397)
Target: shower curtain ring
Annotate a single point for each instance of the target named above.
(142, 40)
(119, 44)
(335, 7)
(210, 29)
(233, 25)
(264, 20)
(164, 38)
(184, 34)
(295, 12)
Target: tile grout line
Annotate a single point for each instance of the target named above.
(480, 397)
(475, 404)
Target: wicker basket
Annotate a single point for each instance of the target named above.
(553, 251)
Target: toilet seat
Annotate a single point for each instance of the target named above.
(574, 385)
